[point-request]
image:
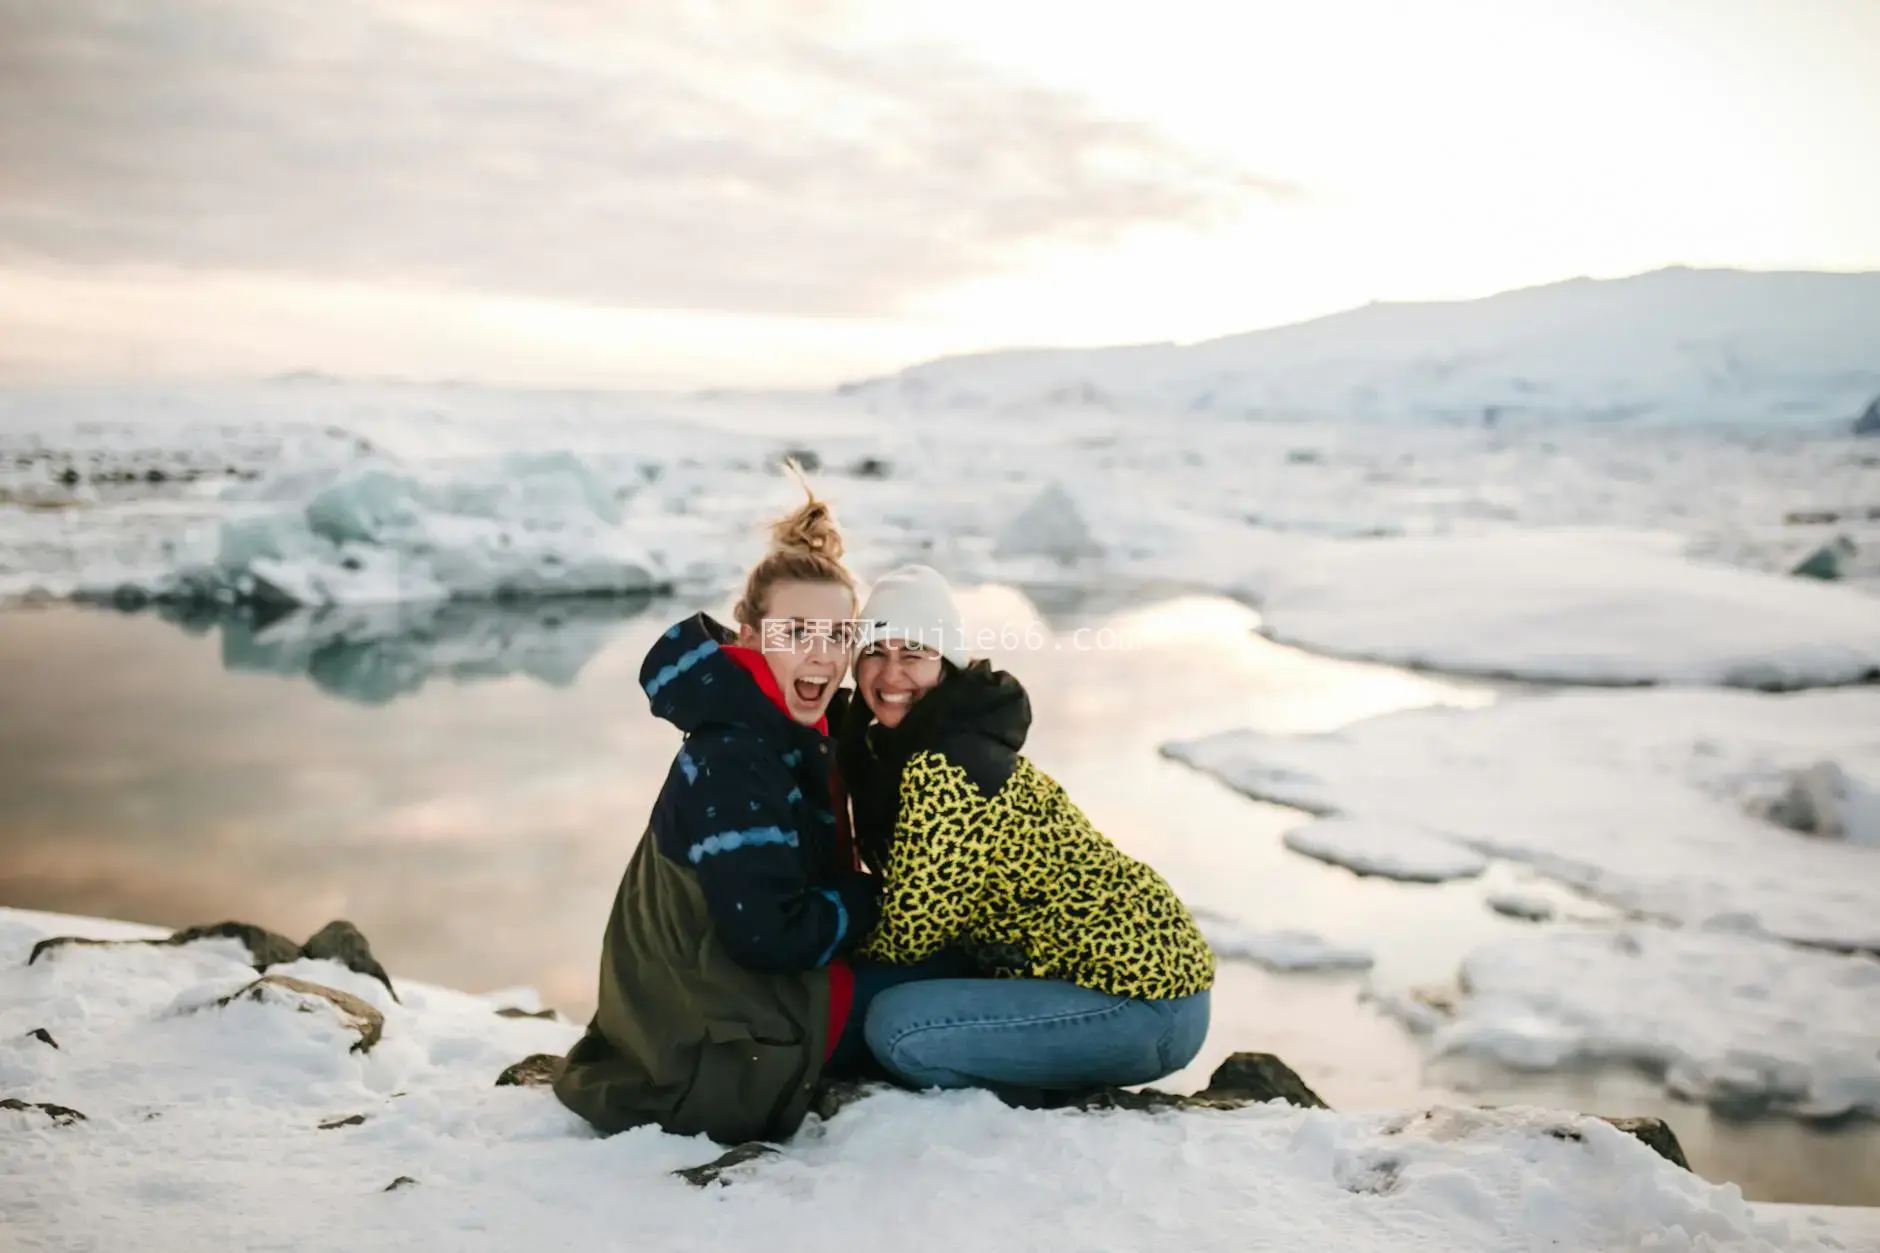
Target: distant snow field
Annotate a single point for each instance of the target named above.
(258, 1125)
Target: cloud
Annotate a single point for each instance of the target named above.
(757, 158)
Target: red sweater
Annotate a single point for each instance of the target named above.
(841, 978)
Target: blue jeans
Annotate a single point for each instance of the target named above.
(1030, 1034)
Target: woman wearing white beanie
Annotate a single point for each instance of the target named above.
(1091, 971)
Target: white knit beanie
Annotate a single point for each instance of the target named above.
(914, 604)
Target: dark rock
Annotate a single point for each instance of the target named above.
(1655, 1135)
(354, 1120)
(835, 1095)
(354, 1013)
(43, 1036)
(534, 1071)
(69, 477)
(1811, 517)
(1825, 562)
(342, 942)
(510, 1011)
(60, 1115)
(1868, 423)
(403, 1181)
(155, 475)
(871, 468)
(714, 1171)
(808, 460)
(1259, 1077)
(265, 948)
(57, 942)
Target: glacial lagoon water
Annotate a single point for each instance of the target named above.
(466, 785)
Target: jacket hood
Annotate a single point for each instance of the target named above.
(693, 679)
(977, 700)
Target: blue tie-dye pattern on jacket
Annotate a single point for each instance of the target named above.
(779, 897)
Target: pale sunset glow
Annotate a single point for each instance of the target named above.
(756, 194)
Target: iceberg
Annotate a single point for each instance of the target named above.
(527, 525)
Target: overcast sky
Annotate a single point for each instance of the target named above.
(679, 194)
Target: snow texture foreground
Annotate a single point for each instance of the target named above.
(255, 1126)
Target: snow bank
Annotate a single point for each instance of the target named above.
(1567, 608)
(1278, 950)
(525, 525)
(231, 1129)
(1734, 1021)
(1647, 800)
(1389, 850)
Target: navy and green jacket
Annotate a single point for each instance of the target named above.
(747, 806)
(721, 985)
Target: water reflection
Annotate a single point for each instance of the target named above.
(472, 796)
(375, 654)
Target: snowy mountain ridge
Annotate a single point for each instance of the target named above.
(1675, 346)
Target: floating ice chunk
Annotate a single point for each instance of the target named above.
(1390, 850)
(527, 525)
(1566, 608)
(1527, 906)
(1642, 800)
(1052, 527)
(1279, 950)
(1736, 1021)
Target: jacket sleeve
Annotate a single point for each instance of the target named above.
(937, 864)
(742, 842)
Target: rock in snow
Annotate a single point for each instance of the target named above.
(1868, 423)
(241, 1097)
(1825, 800)
(1825, 562)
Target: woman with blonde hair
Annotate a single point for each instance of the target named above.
(723, 989)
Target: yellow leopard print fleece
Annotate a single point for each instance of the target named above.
(1024, 883)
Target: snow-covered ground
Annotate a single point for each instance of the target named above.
(258, 1126)
(1651, 801)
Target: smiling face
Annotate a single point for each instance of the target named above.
(805, 642)
(892, 675)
